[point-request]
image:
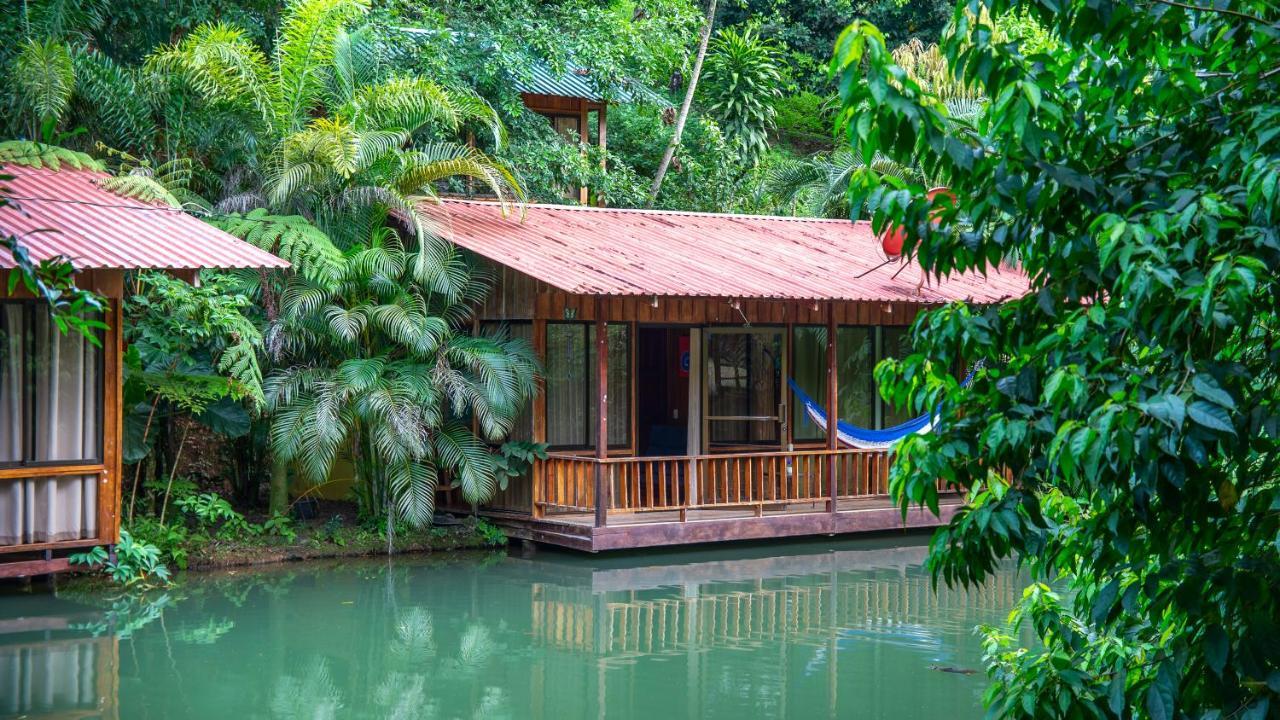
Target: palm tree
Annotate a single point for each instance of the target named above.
(342, 156)
(333, 135)
(818, 185)
(377, 368)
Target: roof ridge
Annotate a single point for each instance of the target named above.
(649, 211)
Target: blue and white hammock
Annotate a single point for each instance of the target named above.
(867, 439)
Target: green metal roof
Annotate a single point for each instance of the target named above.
(576, 83)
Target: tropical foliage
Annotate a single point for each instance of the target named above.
(377, 369)
(743, 75)
(1121, 439)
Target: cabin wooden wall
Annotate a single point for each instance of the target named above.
(517, 296)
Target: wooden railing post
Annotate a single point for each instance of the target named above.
(833, 408)
(602, 415)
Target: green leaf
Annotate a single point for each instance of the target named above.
(1211, 416)
(226, 417)
(1216, 648)
(1169, 409)
(1208, 388)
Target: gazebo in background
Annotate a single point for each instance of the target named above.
(60, 394)
(573, 104)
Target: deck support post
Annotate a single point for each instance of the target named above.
(602, 415)
(538, 473)
(833, 407)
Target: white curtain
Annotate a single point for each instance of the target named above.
(42, 680)
(12, 417)
(63, 415)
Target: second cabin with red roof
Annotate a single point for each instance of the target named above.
(683, 353)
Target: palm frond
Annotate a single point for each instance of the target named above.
(114, 100)
(355, 60)
(223, 65)
(304, 53)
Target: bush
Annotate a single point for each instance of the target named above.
(136, 563)
(804, 121)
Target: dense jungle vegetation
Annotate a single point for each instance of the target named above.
(314, 129)
(1119, 438)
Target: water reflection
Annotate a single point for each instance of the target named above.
(846, 629)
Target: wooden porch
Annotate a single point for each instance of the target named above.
(658, 501)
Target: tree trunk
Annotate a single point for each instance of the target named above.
(684, 106)
(278, 501)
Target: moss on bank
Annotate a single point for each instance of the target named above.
(320, 542)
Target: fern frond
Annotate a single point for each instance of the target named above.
(291, 237)
(37, 155)
(140, 187)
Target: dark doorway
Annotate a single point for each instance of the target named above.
(662, 390)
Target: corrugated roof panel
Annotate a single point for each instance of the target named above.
(576, 83)
(66, 212)
(613, 251)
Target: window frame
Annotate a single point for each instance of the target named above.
(880, 409)
(30, 308)
(590, 392)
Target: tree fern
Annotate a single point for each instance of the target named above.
(37, 155)
(291, 237)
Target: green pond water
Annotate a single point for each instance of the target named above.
(848, 629)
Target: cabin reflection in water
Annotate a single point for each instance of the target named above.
(844, 629)
(827, 618)
(50, 667)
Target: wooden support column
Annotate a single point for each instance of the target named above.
(539, 410)
(602, 415)
(833, 406)
(602, 137)
(583, 136)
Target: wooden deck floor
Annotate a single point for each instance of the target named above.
(626, 530)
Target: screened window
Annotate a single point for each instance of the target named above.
(570, 367)
(857, 353)
(895, 342)
(51, 391)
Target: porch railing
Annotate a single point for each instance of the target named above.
(759, 481)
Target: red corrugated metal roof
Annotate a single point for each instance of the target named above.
(611, 251)
(65, 212)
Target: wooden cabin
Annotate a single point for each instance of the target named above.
(668, 339)
(60, 394)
